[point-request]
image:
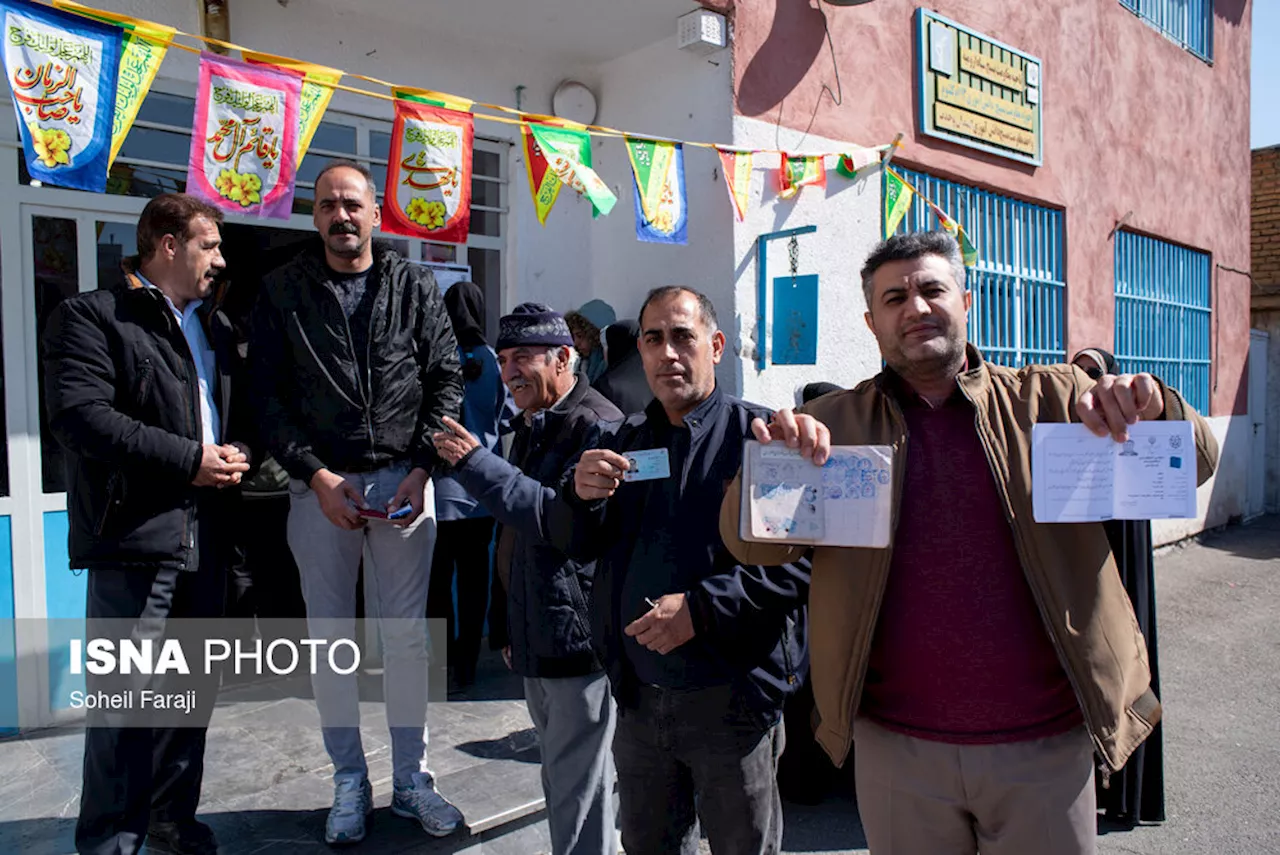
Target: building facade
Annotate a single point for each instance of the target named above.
(1123, 220)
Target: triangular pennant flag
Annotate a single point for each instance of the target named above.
(897, 201)
(429, 173)
(544, 184)
(568, 153)
(737, 177)
(951, 227)
(797, 172)
(662, 209)
(317, 91)
(145, 44)
(849, 163)
(62, 69)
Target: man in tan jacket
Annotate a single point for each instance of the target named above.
(983, 658)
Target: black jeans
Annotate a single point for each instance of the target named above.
(134, 775)
(690, 755)
(462, 549)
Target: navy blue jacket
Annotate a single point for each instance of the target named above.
(751, 619)
(547, 615)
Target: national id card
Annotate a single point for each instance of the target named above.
(647, 465)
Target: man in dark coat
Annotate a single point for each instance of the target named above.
(565, 685)
(139, 391)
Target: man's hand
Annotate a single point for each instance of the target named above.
(220, 466)
(664, 627)
(506, 657)
(455, 444)
(1119, 400)
(338, 499)
(797, 430)
(598, 474)
(411, 490)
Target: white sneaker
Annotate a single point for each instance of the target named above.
(421, 802)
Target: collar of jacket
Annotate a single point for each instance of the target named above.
(538, 421)
(973, 381)
(696, 420)
(132, 283)
(313, 263)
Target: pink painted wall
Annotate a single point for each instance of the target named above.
(1132, 122)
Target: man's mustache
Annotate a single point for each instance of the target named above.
(343, 229)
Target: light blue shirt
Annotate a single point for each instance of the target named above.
(206, 365)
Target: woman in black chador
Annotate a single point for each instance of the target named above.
(1136, 793)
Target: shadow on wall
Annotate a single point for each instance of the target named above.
(783, 60)
(1231, 10)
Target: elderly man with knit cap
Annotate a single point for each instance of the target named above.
(565, 685)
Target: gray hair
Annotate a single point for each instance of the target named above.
(706, 310)
(911, 246)
(553, 352)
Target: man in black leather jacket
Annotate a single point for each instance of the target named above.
(152, 474)
(355, 365)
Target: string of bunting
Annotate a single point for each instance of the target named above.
(79, 76)
(898, 196)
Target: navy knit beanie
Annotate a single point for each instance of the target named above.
(533, 324)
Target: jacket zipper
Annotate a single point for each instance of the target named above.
(786, 651)
(899, 475)
(113, 484)
(368, 368)
(1007, 507)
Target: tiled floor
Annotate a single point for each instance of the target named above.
(267, 787)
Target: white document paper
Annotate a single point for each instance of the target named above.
(846, 502)
(1077, 476)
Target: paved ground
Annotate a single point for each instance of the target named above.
(266, 786)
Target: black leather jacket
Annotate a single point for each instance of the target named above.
(315, 408)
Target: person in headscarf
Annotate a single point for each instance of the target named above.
(465, 527)
(1136, 794)
(624, 382)
(585, 325)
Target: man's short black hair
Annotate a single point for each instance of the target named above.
(344, 163)
(911, 246)
(706, 311)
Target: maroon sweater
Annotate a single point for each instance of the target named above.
(960, 653)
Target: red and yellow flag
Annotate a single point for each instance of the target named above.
(737, 177)
(429, 173)
(797, 172)
(544, 184)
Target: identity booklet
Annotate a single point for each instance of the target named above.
(845, 502)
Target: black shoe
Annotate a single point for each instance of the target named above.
(182, 838)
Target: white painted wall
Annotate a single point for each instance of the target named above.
(847, 215)
(1221, 499)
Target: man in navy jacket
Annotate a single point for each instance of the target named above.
(701, 651)
(565, 686)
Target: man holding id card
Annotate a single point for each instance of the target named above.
(701, 651)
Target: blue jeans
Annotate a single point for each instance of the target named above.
(690, 755)
(397, 570)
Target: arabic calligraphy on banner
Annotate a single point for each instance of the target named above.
(244, 144)
(62, 69)
(429, 173)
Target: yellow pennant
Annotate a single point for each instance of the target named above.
(317, 91)
(144, 45)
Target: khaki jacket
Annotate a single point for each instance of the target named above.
(1069, 567)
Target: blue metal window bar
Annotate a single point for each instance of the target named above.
(1187, 22)
(1164, 313)
(1018, 314)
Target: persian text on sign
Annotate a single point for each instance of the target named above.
(992, 69)
(978, 127)
(978, 101)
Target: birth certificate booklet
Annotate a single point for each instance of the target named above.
(1077, 476)
(845, 502)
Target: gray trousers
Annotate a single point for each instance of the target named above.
(397, 575)
(1023, 797)
(575, 721)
